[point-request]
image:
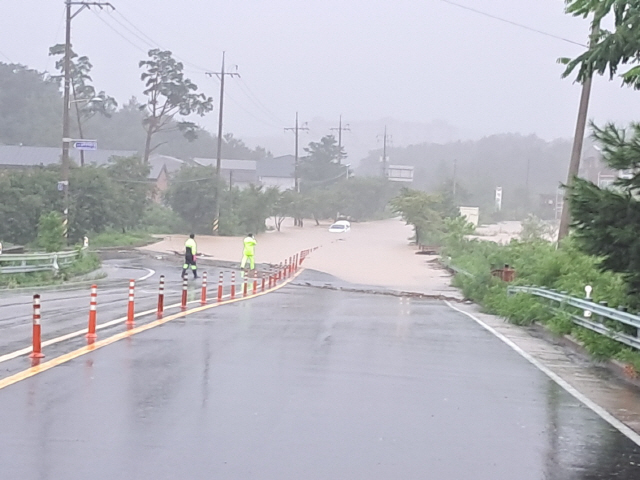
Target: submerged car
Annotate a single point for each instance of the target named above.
(341, 226)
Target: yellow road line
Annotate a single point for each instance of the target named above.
(30, 372)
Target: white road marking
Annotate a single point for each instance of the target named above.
(68, 336)
(148, 275)
(601, 412)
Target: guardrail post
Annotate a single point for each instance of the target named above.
(37, 339)
(185, 288)
(131, 307)
(161, 297)
(203, 300)
(93, 307)
(220, 286)
(233, 285)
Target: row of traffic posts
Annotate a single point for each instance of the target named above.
(262, 282)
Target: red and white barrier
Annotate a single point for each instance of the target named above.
(220, 286)
(160, 311)
(37, 338)
(93, 310)
(185, 291)
(131, 307)
(203, 299)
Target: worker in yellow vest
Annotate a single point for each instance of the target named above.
(249, 250)
(190, 251)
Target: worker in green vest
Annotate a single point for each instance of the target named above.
(249, 250)
(190, 250)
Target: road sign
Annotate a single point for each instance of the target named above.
(85, 144)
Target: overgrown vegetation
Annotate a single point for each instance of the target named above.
(85, 263)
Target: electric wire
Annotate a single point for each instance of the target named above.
(511, 22)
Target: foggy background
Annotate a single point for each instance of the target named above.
(432, 71)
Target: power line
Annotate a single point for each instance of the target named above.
(250, 93)
(5, 56)
(511, 22)
(137, 47)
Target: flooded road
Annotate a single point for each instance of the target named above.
(307, 383)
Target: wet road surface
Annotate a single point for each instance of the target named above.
(306, 383)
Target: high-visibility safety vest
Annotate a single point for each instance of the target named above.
(249, 246)
(190, 244)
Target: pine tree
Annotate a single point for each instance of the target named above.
(607, 220)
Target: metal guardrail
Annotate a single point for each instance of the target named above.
(36, 262)
(446, 262)
(590, 309)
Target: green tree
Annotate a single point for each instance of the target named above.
(424, 211)
(169, 94)
(320, 166)
(608, 49)
(51, 232)
(24, 196)
(191, 195)
(30, 107)
(131, 189)
(607, 221)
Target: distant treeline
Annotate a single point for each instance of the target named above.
(31, 114)
(526, 167)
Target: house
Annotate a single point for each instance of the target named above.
(277, 172)
(18, 156)
(238, 173)
(162, 166)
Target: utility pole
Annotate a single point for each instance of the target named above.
(578, 139)
(340, 129)
(221, 75)
(384, 151)
(297, 221)
(69, 4)
(296, 131)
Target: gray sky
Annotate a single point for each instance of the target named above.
(416, 61)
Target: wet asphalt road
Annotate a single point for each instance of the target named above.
(306, 383)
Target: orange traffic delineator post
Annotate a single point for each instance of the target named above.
(255, 287)
(131, 307)
(93, 310)
(264, 279)
(279, 274)
(244, 287)
(203, 299)
(220, 286)
(233, 285)
(185, 287)
(161, 297)
(37, 338)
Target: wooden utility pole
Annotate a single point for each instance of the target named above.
(340, 129)
(64, 184)
(221, 75)
(296, 131)
(578, 140)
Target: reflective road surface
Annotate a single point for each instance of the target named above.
(304, 384)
